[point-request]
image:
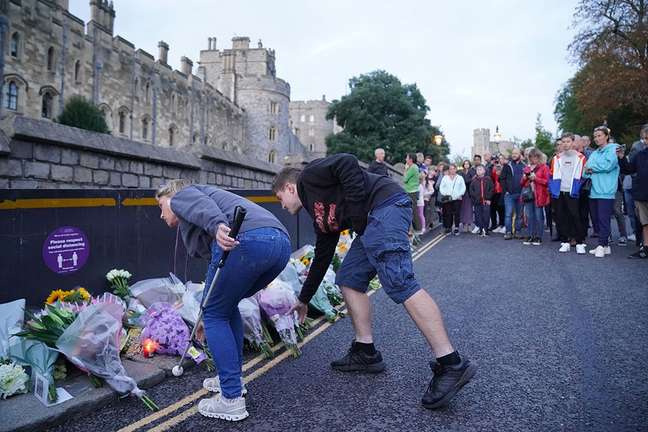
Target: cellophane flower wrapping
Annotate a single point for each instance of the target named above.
(253, 329)
(13, 380)
(91, 343)
(164, 325)
(320, 301)
(276, 300)
(159, 290)
(291, 275)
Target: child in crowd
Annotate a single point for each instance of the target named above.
(481, 193)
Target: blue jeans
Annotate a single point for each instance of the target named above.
(512, 203)
(482, 216)
(259, 258)
(535, 219)
(383, 249)
(630, 207)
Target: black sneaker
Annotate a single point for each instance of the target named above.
(456, 231)
(641, 253)
(527, 241)
(448, 230)
(358, 361)
(446, 382)
(537, 241)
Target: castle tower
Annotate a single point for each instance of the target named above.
(481, 141)
(247, 77)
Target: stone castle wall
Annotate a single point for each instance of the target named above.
(309, 124)
(37, 154)
(142, 99)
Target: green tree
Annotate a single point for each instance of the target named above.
(544, 138)
(79, 112)
(380, 111)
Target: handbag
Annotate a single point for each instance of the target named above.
(446, 198)
(527, 194)
(586, 186)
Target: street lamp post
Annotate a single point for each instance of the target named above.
(438, 139)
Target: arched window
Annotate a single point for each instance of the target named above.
(122, 121)
(312, 147)
(47, 105)
(77, 71)
(272, 134)
(312, 118)
(50, 59)
(11, 97)
(272, 156)
(274, 108)
(195, 138)
(14, 45)
(173, 103)
(171, 136)
(206, 140)
(145, 128)
(147, 93)
(303, 118)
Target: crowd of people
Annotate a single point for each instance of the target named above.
(572, 194)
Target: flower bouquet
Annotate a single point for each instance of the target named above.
(375, 284)
(321, 302)
(118, 280)
(76, 296)
(91, 343)
(254, 330)
(164, 325)
(276, 300)
(40, 358)
(13, 379)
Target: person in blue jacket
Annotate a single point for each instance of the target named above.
(257, 256)
(602, 168)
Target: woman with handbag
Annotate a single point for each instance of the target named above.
(452, 190)
(467, 213)
(535, 195)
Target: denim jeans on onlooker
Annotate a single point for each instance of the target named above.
(512, 204)
(535, 219)
(601, 211)
(630, 208)
(259, 258)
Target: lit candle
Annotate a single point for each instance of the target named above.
(148, 347)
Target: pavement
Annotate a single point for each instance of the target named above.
(560, 340)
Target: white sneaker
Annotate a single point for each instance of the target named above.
(564, 247)
(223, 408)
(599, 252)
(501, 230)
(607, 250)
(632, 237)
(476, 230)
(213, 385)
(580, 249)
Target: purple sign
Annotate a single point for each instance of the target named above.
(66, 250)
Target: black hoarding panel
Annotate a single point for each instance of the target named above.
(65, 238)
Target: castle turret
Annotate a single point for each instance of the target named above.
(163, 55)
(186, 66)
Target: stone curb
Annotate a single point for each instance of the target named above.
(147, 374)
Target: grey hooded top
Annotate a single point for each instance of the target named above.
(200, 209)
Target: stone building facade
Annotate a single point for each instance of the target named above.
(231, 101)
(310, 126)
(483, 143)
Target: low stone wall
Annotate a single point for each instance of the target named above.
(39, 154)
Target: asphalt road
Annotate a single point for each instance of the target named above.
(561, 342)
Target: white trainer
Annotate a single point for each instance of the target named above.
(223, 408)
(599, 252)
(564, 247)
(581, 249)
(632, 238)
(476, 230)
(607, 250)
(213, 385)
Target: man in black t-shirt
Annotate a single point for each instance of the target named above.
(378, 166)
(338, 195)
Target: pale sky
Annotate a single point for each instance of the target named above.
(478, 63)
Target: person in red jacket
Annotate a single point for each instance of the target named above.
(536, 179)
(497, 202)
